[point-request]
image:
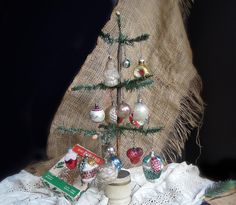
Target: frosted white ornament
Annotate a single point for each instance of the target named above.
(97, 114)
(107, 173)
(111, 74)
(141, 112)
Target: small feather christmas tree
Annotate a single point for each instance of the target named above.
(120, 117)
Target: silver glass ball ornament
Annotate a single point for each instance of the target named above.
(123, 110)
(111, 150)
(126, 63)
(108, 150)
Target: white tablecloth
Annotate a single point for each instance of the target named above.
(179, 184)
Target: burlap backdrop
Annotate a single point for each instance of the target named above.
(174, 100)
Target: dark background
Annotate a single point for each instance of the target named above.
(212, 33)
(44, 43)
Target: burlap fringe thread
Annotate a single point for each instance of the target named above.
(185, 6)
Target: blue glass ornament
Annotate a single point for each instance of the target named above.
(116, 161)
(152, 166)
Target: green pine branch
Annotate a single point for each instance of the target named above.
(107, 38)
(100, 86)
(129, 85)
(136, 83)
(109, 129)
(123, 39)
(140, 38)
(86, 133)
(122, 128)
(219, 188)
(106, 135)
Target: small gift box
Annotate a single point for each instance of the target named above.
(65, 178)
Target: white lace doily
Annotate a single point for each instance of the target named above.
(179, 184)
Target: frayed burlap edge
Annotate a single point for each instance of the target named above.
(191, 116)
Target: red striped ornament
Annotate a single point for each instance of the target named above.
(155, 164)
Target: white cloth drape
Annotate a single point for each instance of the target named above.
(179, 184)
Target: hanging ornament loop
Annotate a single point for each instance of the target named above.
(133, 139)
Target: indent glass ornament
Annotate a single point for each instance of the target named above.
(141, 112)
(88, 169)
(152, 166)
(111, 114)
(123, 110)
(141, 70)
(111, 74)
(97, 114)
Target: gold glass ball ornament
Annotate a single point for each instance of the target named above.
(91, 161)
(141, 70)
(111, 73)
